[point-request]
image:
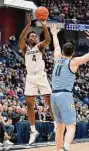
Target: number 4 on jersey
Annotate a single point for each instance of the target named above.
(34, 58)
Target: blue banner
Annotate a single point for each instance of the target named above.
(76, 27)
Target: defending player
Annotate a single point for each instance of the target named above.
(62, 84)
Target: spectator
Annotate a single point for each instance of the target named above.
(5, 132)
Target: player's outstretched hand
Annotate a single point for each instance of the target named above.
(54, 29)
(87, 32)
(28, 19)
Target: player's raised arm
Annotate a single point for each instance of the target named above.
(57, 48)
(77, 61)
(24, 33)
(47, 40)
(80, 60)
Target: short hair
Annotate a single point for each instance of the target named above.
(68, 49)
(31, 33)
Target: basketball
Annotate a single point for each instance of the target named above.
(42, 13)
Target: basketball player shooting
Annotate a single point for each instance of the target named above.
(36, 78)
(62, 101)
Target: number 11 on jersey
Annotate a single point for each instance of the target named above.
(58, 70)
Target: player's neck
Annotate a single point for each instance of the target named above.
(31, 45)
(67, 57)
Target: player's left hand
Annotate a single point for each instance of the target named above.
(28, 19)
(87, 32)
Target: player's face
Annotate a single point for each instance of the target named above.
(33, 38)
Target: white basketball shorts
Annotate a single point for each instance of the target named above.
(36, 84)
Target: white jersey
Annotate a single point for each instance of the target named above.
(33, 60)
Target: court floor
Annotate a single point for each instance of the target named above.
(73, 147)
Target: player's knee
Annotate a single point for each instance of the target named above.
(60, 127)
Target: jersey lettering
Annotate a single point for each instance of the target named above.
(33, 57)
(58, 70)
(32, 52)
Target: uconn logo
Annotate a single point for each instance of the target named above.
(32, 52)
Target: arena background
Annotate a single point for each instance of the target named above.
(13, 72)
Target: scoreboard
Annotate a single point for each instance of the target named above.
(76, 27)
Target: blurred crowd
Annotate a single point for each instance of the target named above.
(82, 111)
(64, 10)
(81, 49)
(81, 86)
